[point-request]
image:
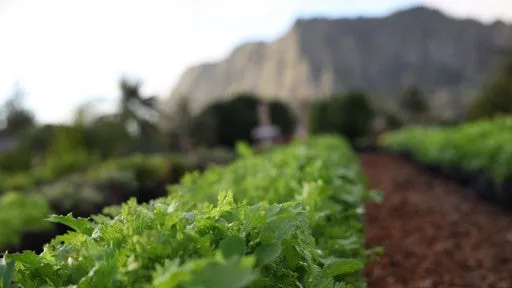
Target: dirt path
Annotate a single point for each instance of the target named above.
(433, 235)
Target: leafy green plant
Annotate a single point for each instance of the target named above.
(290, 218)
(475, 146)
(20, 213)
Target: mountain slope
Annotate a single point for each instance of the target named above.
(320, 56)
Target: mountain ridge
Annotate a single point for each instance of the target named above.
(319, 56)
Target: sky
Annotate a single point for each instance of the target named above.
(63, 53)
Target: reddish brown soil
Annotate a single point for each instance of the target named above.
(433, 234)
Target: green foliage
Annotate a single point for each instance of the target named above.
(483, 145)
(109, 137)
(111, 182)
(282, 116)
(67, 152)
(139, 109)
(16, 160)
(20, 213)
(145, 169)
(497, 96)
(291, 220)
(16, 117)
(226, 123)
(392, 121)
(235, 119)
(38, 140)
(243, 149)
(413, 101)
(17, 182)
(205, 126)
(347, 114)
(322, 115)
(73, 193)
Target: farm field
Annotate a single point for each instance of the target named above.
(475, 153)
(302, 214)
(279, 146)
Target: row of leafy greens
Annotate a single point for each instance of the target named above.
(474, 146)
(21, 213)
(289, 218)
(86, 192)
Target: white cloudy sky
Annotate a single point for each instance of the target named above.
(64, 52)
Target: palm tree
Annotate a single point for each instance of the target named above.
(17, 118)
(140, 111)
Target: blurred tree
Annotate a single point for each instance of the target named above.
(282, 116)
(16, 160)
(108, 136)
(17, 118)
(224, 123)
(236, 118)
(357, 115)
(204, 127)
(183, 124)
(142, 111)
(320, 119)
(17, 122)
(497, 95)
(348, 114)
(412, 101)
(67, 152)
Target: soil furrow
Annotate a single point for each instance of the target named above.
(434, 234)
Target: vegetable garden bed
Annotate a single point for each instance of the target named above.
(289, 218)
(477, 154)
(84, 193)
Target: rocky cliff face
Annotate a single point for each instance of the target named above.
(320, 56)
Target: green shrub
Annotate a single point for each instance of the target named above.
(225, 123)
(347, 114)
(282, 116)
(413, 102)
(496, 98)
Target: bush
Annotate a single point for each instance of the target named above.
(282, 116)
(413, 101)
(225, 123)
(347, 114)
(16, 160)
(497, 96)
(235, 120)
(496, 100)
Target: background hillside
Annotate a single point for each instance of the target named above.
(448, 58)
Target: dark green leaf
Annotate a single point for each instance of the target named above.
(266, 253)
(343, 266)
(232, 246)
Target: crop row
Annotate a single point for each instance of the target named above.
(480, 149)
(87, 192)
(289, 218)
